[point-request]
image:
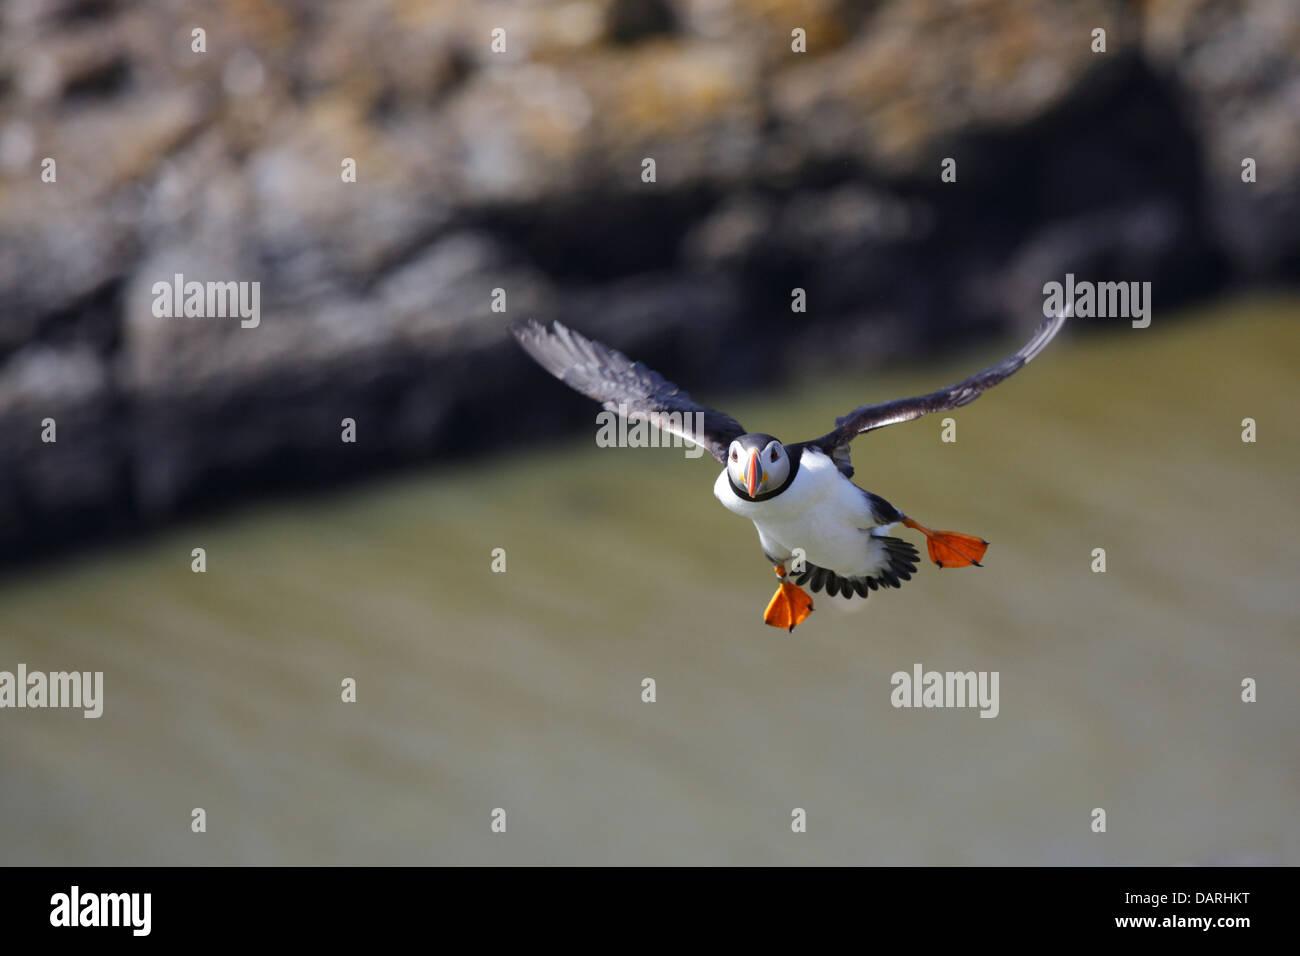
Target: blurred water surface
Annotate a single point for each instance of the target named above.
(522, 690)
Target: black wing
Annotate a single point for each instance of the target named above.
(869, 417)
(609, 377)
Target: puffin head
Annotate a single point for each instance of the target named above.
(757, 464)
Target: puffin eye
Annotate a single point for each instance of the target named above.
(775, 451)
(734, 456)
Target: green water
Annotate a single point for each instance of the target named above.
(522, 690)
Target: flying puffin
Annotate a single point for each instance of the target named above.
(808, 512)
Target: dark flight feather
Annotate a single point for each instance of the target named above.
(869, 417)
(613, 379)
(902, 565)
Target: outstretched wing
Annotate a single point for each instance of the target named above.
(626, 387)
(870, 417)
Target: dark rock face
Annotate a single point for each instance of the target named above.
(521, 170)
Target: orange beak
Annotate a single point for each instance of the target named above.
(751, 474)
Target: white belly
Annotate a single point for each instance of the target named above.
(822, 513)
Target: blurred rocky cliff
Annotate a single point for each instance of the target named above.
(520, 169)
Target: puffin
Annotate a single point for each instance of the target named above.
(815, 525)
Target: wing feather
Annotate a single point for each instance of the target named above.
(870, 417)
(621, 385)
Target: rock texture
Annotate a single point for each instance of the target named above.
(521, 169)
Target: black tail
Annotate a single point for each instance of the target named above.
(902, 565)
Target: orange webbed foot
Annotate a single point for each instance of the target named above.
(951, 549)
(789, 607)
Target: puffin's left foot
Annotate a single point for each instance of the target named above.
(789, 607)
(951, 549)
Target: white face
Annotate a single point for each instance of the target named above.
(758, 472)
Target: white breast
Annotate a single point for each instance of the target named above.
(822, 513)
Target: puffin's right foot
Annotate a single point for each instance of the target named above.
(951, 549)
(789, 607)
